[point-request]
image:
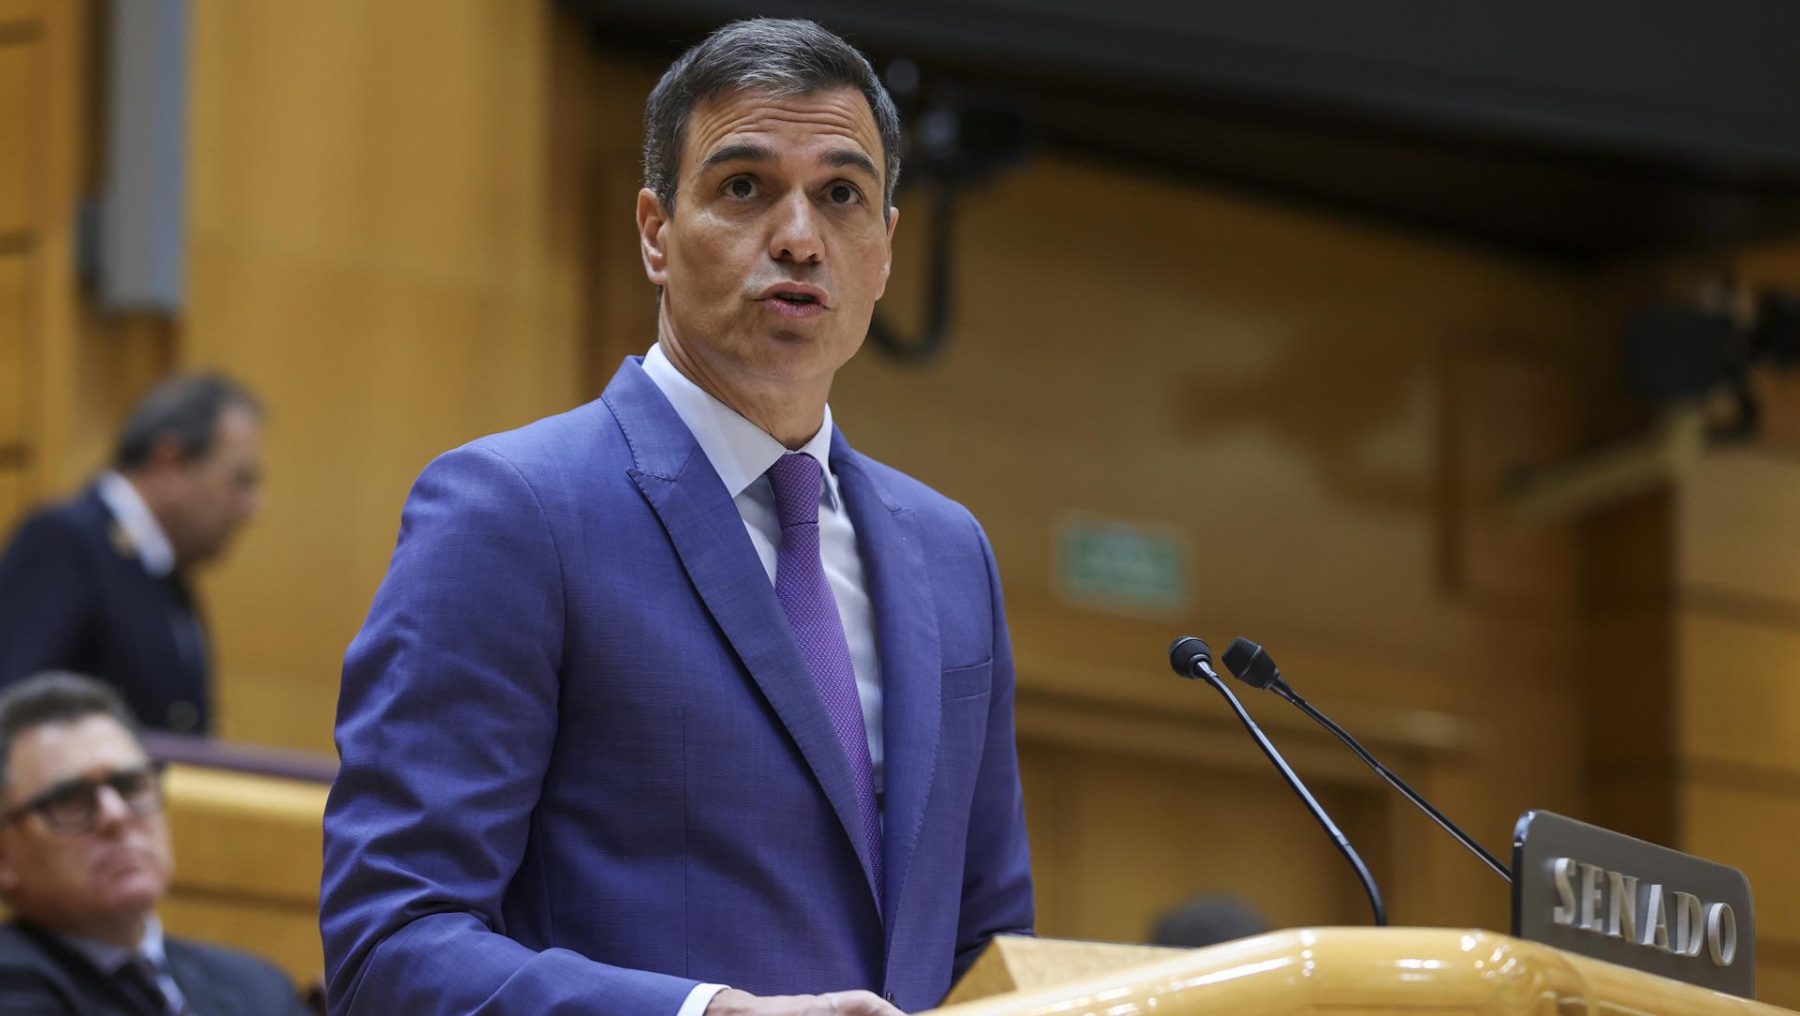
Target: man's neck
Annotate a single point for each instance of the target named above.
(788, 415)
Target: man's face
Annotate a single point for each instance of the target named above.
(82, 883)
(778, 246)
(213, 495)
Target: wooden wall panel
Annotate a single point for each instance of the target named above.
(375, 250)
(1156, 828)
(1752, 828)
(15, 351)
(1737, 620)
(247, 864)
(12, 498)
(1737, 506)
(24, 86)
(1740, 693)
(21, 98)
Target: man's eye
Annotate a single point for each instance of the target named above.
(739, 187)
(70, 795)
(843, 194)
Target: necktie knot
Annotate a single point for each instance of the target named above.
(798, 480)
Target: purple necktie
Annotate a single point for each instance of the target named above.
(812, 612)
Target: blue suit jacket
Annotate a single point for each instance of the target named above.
(584, 766)
(74, 595)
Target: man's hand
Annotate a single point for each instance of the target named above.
(732, 1002)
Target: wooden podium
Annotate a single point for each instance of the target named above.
(1415, 971)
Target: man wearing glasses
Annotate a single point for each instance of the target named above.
(84, 860)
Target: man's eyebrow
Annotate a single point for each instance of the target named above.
(742, 152)
(845, 158)
(837, 158)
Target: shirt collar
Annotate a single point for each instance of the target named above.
(138, 522)
(109, 958)
(740, 451)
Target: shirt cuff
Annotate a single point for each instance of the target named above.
(699, 999)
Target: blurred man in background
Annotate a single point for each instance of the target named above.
(1207, 919)
(84, 861)
(100, 584)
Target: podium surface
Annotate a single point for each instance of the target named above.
(1415, 971)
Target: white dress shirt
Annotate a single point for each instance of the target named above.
(140, 525)
(741, 453)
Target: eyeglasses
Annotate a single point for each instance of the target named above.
(72, 807)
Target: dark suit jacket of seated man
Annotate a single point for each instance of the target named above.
(601, 746)
(99, 584)
(84, 859)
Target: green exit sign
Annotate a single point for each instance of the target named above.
(1124, 567)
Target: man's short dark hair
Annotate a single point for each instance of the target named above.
(186, 408)
(781, 57)
(56, 697)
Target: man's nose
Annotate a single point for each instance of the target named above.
(795, 236)
(110, 809)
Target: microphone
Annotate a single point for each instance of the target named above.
(1192, 659)
(1250, 664)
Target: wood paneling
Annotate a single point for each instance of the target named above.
(247, 864)
(1158, 832)
(21, 106)
(15, 327)
(376, 250)
(1740, 694)
(1735, 507)
(12, 498)
(1753, 830)
(24, 89)
(1736, 627)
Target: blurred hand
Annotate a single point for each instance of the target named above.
(732, 1002)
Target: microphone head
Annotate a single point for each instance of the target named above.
(1188, 655)
(1249, 664)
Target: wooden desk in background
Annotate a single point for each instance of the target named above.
(246, 825)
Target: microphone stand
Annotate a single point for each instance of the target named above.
(1199, 666)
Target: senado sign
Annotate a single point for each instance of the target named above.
(1591, 898)
(1615, 898)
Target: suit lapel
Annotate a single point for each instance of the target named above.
(87, 990)
(708, 535)
(201, 992)
(906, 639)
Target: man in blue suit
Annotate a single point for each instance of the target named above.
(675, 703)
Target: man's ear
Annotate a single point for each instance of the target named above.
(651, 218)
(166, 452)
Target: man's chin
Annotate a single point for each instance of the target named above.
(138, 889)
